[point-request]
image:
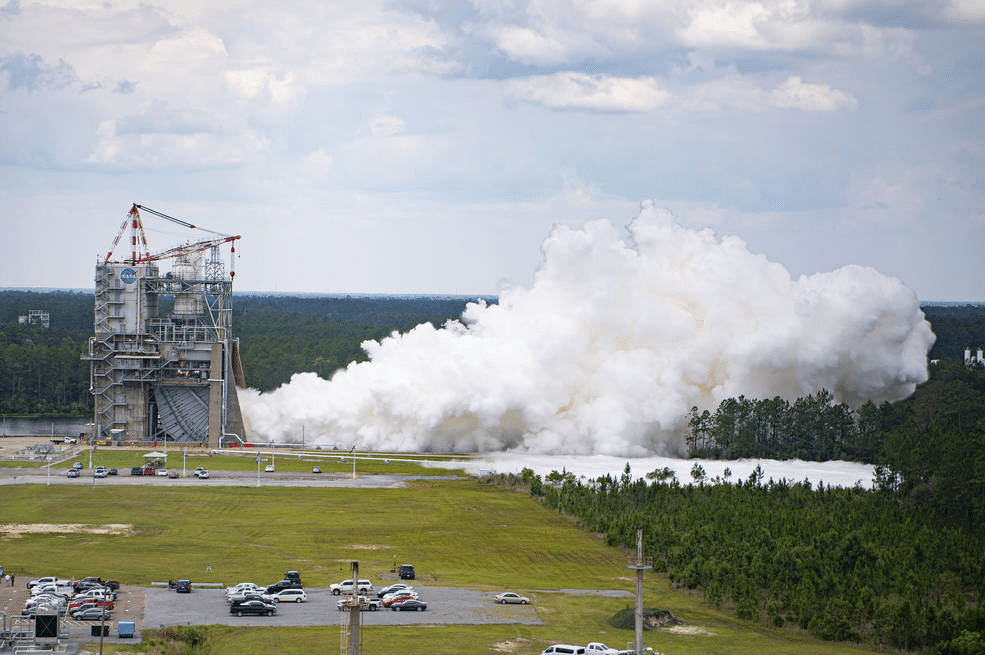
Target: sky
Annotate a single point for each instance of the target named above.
(431, 146)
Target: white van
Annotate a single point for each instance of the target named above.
(563, 649)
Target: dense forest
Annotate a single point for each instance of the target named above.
(42, 372)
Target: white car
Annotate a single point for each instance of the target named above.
(345, 587)
(563, 649)
(289, 596)
(246, 595)
(71, 440)
(202, 475)
(161, 472)
(244, 587)
(598, 648)
(48, 580)
(364, 602)
(269, 468)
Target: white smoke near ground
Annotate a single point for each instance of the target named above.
(607, 350)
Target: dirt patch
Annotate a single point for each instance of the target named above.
(19, 529)
(511, 646)
(688, 630)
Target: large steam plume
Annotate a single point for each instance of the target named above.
(610, 347)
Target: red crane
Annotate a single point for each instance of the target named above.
(140, 253)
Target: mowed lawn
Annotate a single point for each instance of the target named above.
(456, 533)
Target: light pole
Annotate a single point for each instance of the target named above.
(258, 469)
(353, 460)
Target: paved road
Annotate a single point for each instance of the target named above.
(10, 475)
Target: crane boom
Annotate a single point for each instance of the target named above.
(140, 253)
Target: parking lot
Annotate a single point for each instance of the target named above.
(445, 605)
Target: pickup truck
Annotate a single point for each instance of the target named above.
(95, 581)
(365, 603)
(598, 648)
(48, 580)
(345, 587)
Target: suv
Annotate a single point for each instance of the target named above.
(183, 586)
(282, 585)
(406, 571)
(563, 649)
(345, 587)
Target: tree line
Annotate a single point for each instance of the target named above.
(42, 372)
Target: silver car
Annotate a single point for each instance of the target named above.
(510, 597)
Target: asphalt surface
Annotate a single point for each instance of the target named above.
(445, 605)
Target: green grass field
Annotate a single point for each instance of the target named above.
(457, 533)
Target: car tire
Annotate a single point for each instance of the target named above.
(336, 592)
(502, 602)
(239, 614)
(297, 600)
(523, 602)
(420, 609)
(270, 612)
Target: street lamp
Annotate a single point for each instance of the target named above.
(353, 460)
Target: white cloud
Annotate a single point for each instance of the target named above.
(172, 150)
(255, 83)
(794, 93)
(966, 11)
(572, 90)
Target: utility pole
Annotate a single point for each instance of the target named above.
(640, 564)
(355, 613)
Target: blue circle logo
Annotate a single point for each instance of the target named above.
(128, 276)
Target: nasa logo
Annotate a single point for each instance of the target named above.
(128, 276)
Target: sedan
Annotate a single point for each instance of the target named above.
(411, 604)
(510, 597)
(394, 588)
(255, 607)
(73, 473)
(203, 475)
(390, 601)
(91, 614)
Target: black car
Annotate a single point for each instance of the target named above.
(255, 607)
(183, 586)
(284, 584)
(137, 470)
(112, 472)
(418, 605)
(406, 571)
(293, 575)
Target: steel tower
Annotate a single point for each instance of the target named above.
(164, 364)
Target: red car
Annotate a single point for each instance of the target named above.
(397, 599)
(89, 602)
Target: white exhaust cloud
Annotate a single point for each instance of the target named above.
(607, 350)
